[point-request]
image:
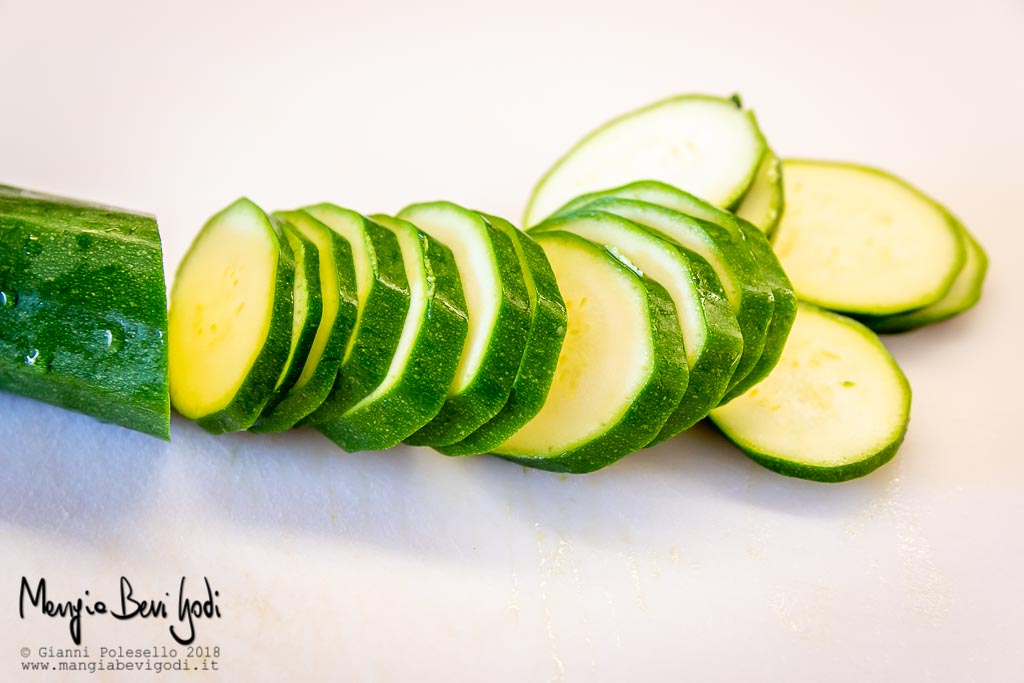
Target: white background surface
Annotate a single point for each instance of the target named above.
(686, 562)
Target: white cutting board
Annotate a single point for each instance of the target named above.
(687, 562)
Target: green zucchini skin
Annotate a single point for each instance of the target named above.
(765, 267)
(755, 307)
(543, 344)
(307, 260)
(655, 402)
(380, 319)
(258, 386)
(419, 393)
(83, 309)
(963, 294)
(303, 400)
(474, 405)
(716, 360)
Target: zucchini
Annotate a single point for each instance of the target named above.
(711, 336)
(621, 370)
(836, 407)
(230, 324)
(858, 240)
(709, 146)
(746, 290)
(306, 310)
(83, 309)
(764, 202)
(424, 364)
(383, 295)
(543, 344)
(962, 295)
(767, 269)
(339, 305)
(499, 319)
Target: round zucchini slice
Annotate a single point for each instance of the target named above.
(383, 295)
(543, 344)
(499, 319)
(306, 311)
(339, 305)
(861, 241)
(836, 407)
(745, 287)
(424, 363)
(763, 203)
(712, 340)
(621, 370)
(707, 145)
(230, 323)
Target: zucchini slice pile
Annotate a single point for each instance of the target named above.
(616, 324)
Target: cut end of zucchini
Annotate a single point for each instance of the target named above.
(222, 309)
(861, 241)
(763, 203)
(705, 145)
(835, 407)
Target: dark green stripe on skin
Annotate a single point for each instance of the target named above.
(258, 386)
(754, 312)
(418, 394)
(307, 259)
(486, 394)
(379, 323)
(540, 357)
(723, 342)
(301, 401)
(70, 271)
(652, 406)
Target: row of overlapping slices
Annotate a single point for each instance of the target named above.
(616, 323)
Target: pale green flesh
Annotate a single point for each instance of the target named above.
(835, 398)
(861, 241)
(763, 203)
(706, 145)
(412, 256)
(965, 292)
(608, 326)
(349, 225)
(465, 233)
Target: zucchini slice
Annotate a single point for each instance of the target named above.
(383, 294)
(709, 146)
(965, 292)
(230, 324)
(424, 364)
(621, 370)
(836, 407)
(543, 344)
(763, 203)
(499, 319)
(339, 306)
(745, 288)
(83, 309)
(768, 270)
(858, 240)
(306, 310)
(711, 336)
